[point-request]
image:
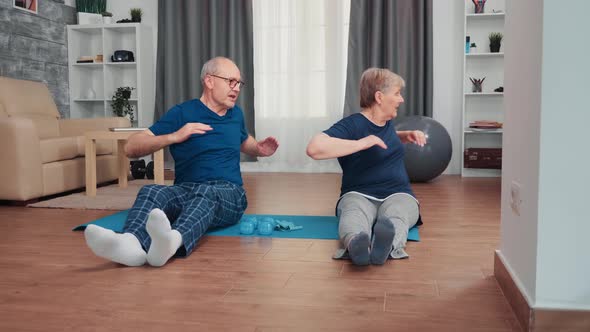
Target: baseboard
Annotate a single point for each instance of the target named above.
(537, 319)
(512, 293)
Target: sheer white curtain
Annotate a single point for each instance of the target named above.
(300, 56)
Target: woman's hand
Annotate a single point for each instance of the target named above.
(414, 136)
(370, 141)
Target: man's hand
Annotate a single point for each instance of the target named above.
(189, 129)
(267, 147)
(416, 137)
(370, 141)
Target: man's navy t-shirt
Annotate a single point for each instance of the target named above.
(376, 172)
(214, 155)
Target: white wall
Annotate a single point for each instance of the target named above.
(546, 247)
(563, 262)
(447, 58)
(522, 98)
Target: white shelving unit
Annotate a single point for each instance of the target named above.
(92, 85)
(485, 105)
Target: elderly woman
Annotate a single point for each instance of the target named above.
(377, 207)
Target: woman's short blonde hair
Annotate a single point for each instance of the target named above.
(378, 79)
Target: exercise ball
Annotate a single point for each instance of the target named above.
(424, 163)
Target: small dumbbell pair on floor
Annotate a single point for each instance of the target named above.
(265, 225)
(140, 170)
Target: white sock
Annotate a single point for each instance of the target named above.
(165, 240)
(120, 248)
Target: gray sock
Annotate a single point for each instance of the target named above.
(383, 234)
(358, 249)
(399, 253)
(401, 233)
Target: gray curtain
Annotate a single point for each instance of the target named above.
(393, 34)
(192, 32)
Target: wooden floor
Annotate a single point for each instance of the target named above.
(50, 281)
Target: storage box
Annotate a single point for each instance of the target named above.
(490, 158)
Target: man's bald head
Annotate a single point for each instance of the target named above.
(222, 83)
(215, 65)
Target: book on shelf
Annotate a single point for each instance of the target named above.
(485, 124)
(85, 59)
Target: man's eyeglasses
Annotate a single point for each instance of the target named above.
(231, 81)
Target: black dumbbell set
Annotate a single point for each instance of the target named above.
(139, 170)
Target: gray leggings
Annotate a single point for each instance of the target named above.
(358, 214)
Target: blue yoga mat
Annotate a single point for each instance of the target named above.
(314, 227)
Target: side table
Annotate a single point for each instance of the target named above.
(121, 137)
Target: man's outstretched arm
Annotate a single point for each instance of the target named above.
(145, 142)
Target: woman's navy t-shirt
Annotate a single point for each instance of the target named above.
(376, 172)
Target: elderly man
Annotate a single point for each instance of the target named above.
(205, 137)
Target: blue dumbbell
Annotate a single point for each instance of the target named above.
(266, 226)
(247, 227)
(254, 220)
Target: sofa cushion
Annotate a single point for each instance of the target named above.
(102, 147)
(26, 97)
(69, 174)
(47, 127)
(58, 148)
(32, 100)
(64, 148)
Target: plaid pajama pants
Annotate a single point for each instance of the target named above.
(192, 209)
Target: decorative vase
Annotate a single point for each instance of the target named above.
(107, 20)
(90, 94)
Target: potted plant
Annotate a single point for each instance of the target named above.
(120, 102)
(477, 84)
(473, 48)
(107, 17)
(135, 14)
(495, 41)
(89, 11)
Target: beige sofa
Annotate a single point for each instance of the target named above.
(41, 153)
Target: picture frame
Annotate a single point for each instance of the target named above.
(30, 6)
